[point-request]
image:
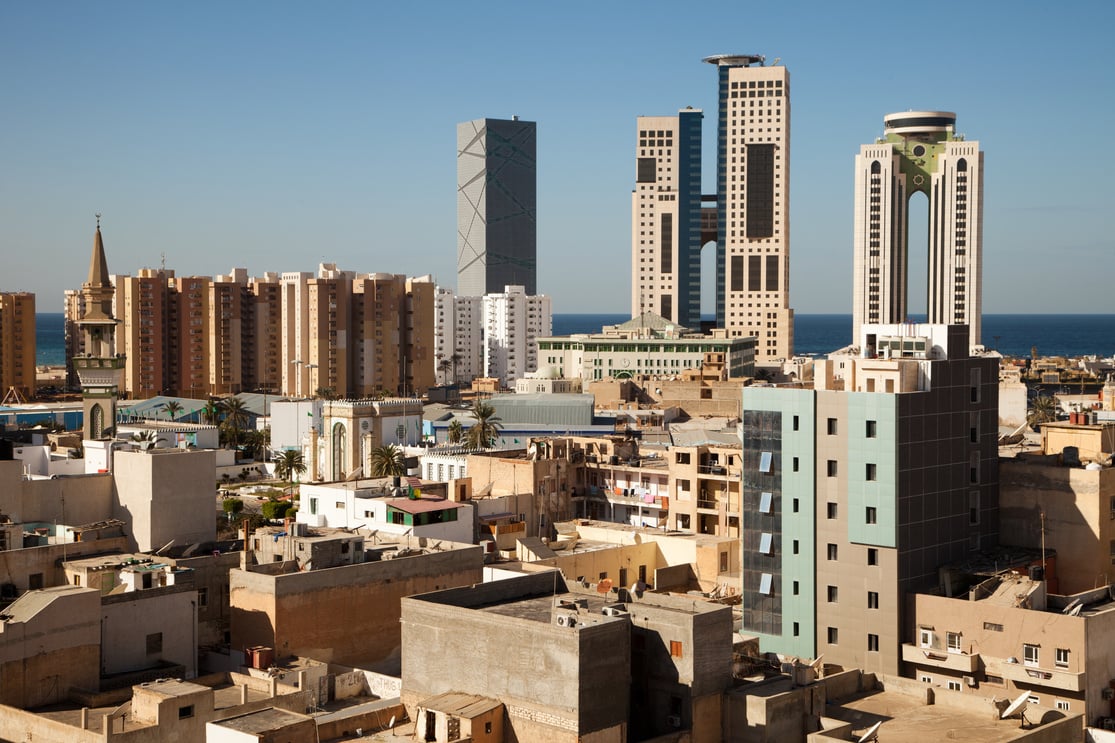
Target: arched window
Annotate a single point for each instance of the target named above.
(962, 165)
(876, 168)
(96, 421)
(340, 440)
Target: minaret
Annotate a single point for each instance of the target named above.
(100, 369)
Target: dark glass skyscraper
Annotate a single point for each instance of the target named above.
(496, 206)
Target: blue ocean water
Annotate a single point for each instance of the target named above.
(1013, 335)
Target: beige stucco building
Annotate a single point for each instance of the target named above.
(17, 343)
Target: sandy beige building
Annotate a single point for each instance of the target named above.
(17, 344)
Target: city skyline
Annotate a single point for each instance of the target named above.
(279, 137)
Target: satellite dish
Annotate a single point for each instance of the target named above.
(391, 722)
(1016, 706)
(872, 733)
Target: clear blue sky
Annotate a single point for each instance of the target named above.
(276, 135)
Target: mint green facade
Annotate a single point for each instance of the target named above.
(878, 453)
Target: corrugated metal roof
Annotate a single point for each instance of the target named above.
(421, 505)
(459, 704)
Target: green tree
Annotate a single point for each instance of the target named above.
(326, 393)
(172, 408)
(275, 509)
(443, 368)
(236, 417)
(1042, 410)
(387, 461)
(211, 412)
(485, 431)
(145, 440)
(233, 507)
(455, 431)
(289, 464)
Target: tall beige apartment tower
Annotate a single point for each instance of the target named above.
(666, 218)
(753, 206)
(17, 344)
(919, 152)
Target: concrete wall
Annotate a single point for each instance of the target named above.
(81, 499)
(164, 495)
(347, 614)
(1078, 523)
(128, 620)
(557, 684)
(18, 566)
(46, 650)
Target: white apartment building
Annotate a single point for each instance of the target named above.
(490, 336)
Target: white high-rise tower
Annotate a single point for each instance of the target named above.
(920, 151)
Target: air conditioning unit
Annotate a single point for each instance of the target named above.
(566, 620)
(970, 681)
(674, 721)
(615, 611)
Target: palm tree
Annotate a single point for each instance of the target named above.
(211, 412)
(172, 408)
(288, 464)
(387, 461)
(483, 433)
(455, 431)
(236, 417)
(443, 368)
(455, 359)
(1042, 410)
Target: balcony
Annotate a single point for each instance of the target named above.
(933, 658)
(625, 498)
(1055, 678)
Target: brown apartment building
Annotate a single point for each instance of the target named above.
(17, 343)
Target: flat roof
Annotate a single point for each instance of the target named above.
(421, 505)
(262, 721)
(459, 704)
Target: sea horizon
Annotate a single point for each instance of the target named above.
(1063, 334)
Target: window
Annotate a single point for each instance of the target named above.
(872, 556)
(35, 581)
(953, 640)
(203, 597)
(1034, 699)
(184, 713)
(833, 635)
(795, 505)
(795, 423)
(925, 679)
(831, 426)
(832, 468)
(1030, 654)
(795, 588)
(766, 581)
(973, 507)
(871, 515)
(795, 551)
(830, 510)
(1061, 658)
(764, 502)
(675, 648)
(155, 643)
(872, 429)
(870, 472)
(1063, 705)
(832, 551)
(796, 629)
(796, 469)
(996, 680)
(765, 541)
(954, 685)
(992, 627)
(833, 592)
(873, 643)
(925, 637)
(765, 461)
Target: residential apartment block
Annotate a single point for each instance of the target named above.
(857, 490)
(666, 218)
(17, 344)
(490, 336)
(496, 206)
(354, 335)
(920, 152)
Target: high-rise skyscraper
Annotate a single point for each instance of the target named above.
(919, 151)
(666, 218)
(496, 206)
(753, 209)
(17, 345)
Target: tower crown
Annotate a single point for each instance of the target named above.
(910, 123)
(735, 60)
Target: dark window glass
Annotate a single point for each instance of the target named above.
(645, 172)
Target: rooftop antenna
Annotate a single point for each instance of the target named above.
(163, 262)
(98, 216)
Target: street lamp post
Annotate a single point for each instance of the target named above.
(297, 377)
